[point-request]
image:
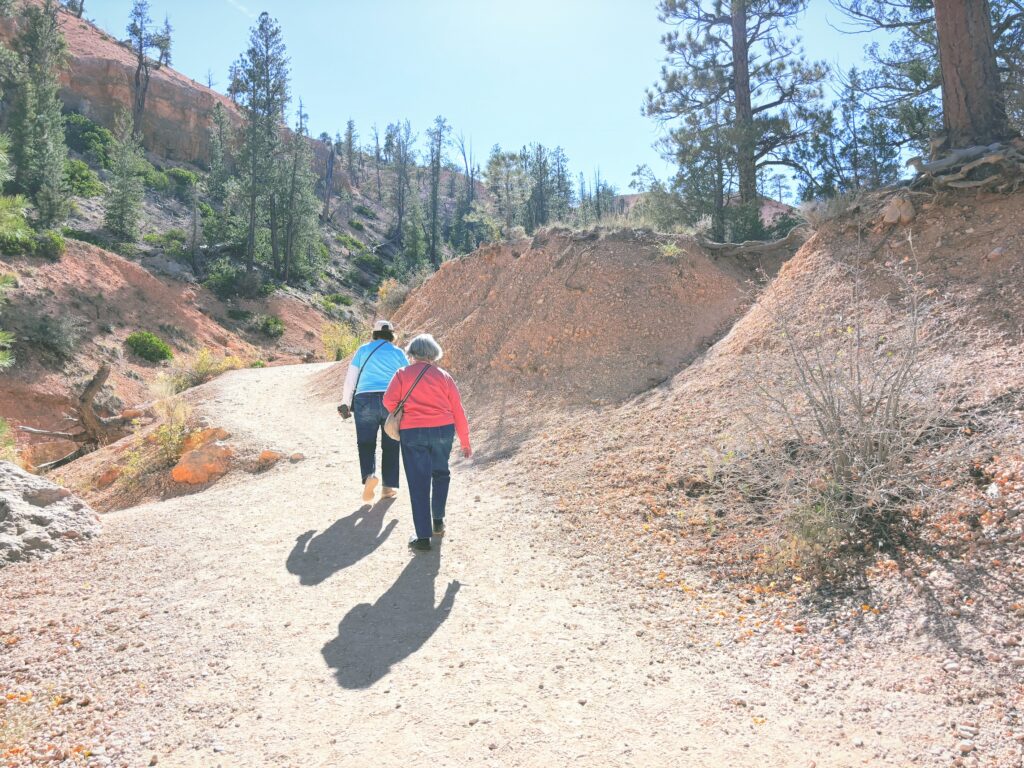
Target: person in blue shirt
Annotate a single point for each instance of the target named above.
(369, 374)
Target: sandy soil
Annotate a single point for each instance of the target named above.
(274, 620)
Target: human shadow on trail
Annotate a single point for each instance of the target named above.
(317, 557)
(373, 638)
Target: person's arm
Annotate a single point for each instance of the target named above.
(350, 385)
(393, 394)
(461, 422)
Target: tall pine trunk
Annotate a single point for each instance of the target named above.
(275, 253)
(329, 185)
(746, 161)
(973, 109)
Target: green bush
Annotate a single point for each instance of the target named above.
(224, 278)
(183, 181)
(357, 225)
(50, 245)
(269, 325)
(155, 179)
(16, 236)
(149, 346)
(363, 211)
(95, 238)
(257, 364)
(338, 298)
(351, 243)
(81, 179)
(172, 242)
(89, 139)
(369, 262)
(242, 315)
(55, 335)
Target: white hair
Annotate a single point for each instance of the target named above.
(425, 347)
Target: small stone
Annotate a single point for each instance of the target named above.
(153, 760)
(474, 721)
(492, 745)
(295, 458)
(966, 746)
(582, 702)
(858, 742)
(269, 458)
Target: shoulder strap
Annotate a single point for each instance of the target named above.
(362, 367)
(402, 403)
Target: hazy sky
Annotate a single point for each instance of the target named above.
(568, 72)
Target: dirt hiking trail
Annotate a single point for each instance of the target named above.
(274, 620)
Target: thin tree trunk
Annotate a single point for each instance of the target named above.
(745, 150)
(329, 184)
(973, 109)
(273, 236)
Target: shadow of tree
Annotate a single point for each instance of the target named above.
(315, 558)
(373, 638)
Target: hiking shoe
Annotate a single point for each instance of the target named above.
(370, 487)
(438, 527)
(388, 493)
(420, 544)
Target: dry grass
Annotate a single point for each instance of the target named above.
(340, 340)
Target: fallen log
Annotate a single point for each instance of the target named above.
(95, 431)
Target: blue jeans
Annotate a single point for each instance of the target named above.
(425, 452)
(370, 415)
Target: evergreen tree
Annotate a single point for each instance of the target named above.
(905, 79)
(220, 159)
(36, 121)
(404, 161)
(125, 191)
(262, 88)
(350, 150)
(506, 181)
(377, 160)
(414, 239)
(738, 85)
(299, 202)
(438, 140)
(142, 38)
(853, 146)
(561, 186)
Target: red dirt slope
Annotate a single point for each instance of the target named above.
(577, 318)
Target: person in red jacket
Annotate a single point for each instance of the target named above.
(431, 418)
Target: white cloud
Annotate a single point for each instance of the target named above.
(241, 8)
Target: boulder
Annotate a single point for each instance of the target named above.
(38, 517)
(269, 458)
(898, 211)
(204, 437)
(203, 464)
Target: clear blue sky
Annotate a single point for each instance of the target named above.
(568, 72)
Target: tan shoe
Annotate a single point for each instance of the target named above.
(388, 493)
(370, 487)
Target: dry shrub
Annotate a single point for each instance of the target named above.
(162, 447)
(340, 340)
(855, 427)
(392, 293)
(197, 369)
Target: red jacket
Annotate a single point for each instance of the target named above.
(435, 402)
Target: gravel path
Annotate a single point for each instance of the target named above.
(273, 620)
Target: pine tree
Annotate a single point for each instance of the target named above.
(377, 160)
(736, 86)
(853, 146)
(506, 181)
(125, 191)
(414, 240)
(905, 79)
(220, 159)
(142, 38)
(262, 89)
(36, 122)
(350, 150)
(404, 160)
(438, 139)
(299, 202)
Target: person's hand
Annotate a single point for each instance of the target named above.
(345, 411)
(467, 451)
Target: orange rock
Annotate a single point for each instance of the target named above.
(108, 478)
(206, 463)
(269, 458)
(295, 458)
(132, 413)
(204, 437)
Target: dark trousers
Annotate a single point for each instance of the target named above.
(425, 452)
(370, 415)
